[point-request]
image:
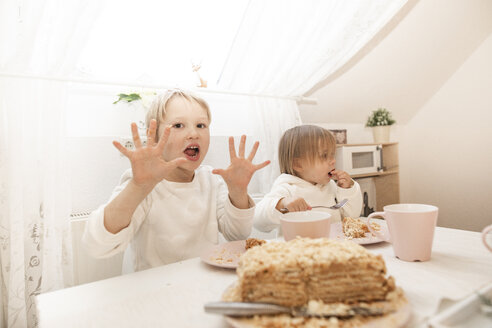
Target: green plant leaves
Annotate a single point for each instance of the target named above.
(380, 117)
(128, 97)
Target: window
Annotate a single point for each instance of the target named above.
(157, 41)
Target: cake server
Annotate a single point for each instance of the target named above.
(249, 309)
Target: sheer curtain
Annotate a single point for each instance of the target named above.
(286, 47)
(272, 116)
(41, 37)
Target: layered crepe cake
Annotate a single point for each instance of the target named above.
(304, 271)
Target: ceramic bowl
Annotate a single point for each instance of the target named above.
(312, 224)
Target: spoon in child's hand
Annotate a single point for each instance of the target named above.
(334, 207)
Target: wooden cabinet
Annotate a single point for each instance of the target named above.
(387, 181)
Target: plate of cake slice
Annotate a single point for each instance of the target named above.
(227, 255)
(326, 271)
(356, 230)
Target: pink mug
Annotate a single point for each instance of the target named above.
(411, 229)
(485, 231)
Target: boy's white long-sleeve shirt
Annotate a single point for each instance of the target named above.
(176, 221)
(267, 217)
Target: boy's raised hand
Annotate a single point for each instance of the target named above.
(239, 173)
(148, 165)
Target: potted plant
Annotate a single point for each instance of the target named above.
(380, 121)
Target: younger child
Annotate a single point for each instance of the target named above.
(168, 205)
(309, 178)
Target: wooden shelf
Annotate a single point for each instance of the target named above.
(376, 174)
(368, 144)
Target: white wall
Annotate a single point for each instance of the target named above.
(359, 133)
(446, 148)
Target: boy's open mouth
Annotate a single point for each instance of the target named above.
(192, 152)
(330, 174)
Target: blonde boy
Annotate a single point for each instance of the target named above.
(168, 205)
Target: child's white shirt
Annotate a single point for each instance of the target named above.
(267, 217)
(176, 221)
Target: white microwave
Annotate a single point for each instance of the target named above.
(359, 159)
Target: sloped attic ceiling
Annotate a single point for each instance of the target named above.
(407, 67)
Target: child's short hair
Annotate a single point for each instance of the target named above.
(304, 142)
(157, 109)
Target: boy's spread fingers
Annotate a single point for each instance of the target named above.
(136, 137)
(217, 171)
(253, 151)
(151, 133)
(242, 146)
(232, 150)
(163, 139)
(262, 165)
(121, 149)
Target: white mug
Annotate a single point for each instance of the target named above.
(411, 229)
(485, 232)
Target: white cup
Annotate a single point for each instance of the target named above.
(411, 229)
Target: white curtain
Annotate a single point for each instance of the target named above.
(285, 47)
(38, 37)
(271, 117)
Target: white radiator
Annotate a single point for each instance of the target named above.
(86, 268)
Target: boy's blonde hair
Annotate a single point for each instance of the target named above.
(157, 109)
(304, 142)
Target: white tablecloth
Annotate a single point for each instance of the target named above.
(173, 295)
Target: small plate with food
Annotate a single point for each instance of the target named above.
(227, 255)
(356, 230)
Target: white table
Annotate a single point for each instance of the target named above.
(173, 295)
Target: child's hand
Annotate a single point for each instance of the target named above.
(293, 204)
(148, 165)
(343, 178)
(238, 175)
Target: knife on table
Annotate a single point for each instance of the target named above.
(250, 309)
